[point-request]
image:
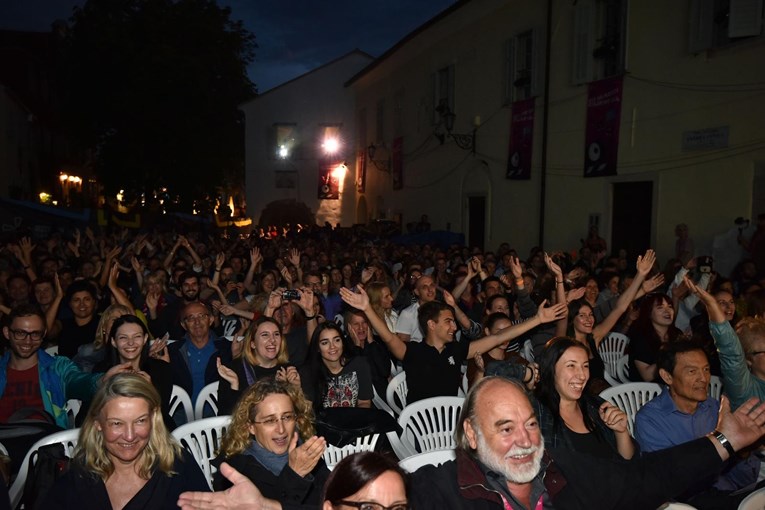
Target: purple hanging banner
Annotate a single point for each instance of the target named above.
(521, 147)
(604, 107)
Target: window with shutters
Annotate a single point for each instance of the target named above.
(522, 66)
(443, 92)
(718, 23)
(599, 40)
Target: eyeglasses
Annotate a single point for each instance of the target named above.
(20, 334)
(369, 505)
(272, 421)
(200, 317)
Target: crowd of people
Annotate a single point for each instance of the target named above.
(300, 328)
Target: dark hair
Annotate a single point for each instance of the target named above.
(81, 286)
(430, 312)
(492, 319)
(357, 470)
(643, 327)
(667, 358)
(490, 302)
(187, 275)
(19, 276)
(25, 310)
(573, 311)
(318, 371)
(546, 392)
(43, 280)
(111, 352)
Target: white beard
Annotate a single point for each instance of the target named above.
(498, 463)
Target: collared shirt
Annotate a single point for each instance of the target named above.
(430, 373)
(659, 424)
(198, 359)
(498, 482)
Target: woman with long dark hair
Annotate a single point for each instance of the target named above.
(570, 417)
(654, 326)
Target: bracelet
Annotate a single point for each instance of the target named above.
(217, 270)
(724, 442)
(559, 282)
(310, 318)
(530, 377)
(519, 280)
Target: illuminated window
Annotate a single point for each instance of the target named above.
(285, 141)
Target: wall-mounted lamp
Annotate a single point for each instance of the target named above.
(463, 141)
(381, 164)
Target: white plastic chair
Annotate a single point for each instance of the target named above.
(67, 437)
(397, 389)
(754, 501)
(381, 404)
(427, 425)
(434, 458)
(179, 398)
(630, 397)
(619, 373)
(715, 387)
(52, 350)
(207, 397)
(334, 454)
(73, 407)
(612, 350)
(527, 352)
(202, 439)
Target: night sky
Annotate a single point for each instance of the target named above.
(293, 36)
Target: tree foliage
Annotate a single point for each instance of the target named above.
(154, 87)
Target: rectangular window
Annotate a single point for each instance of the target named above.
(522, 64)
(718, 23)
(443, 92)
(331, 144)
(599, 40)
(284, 141)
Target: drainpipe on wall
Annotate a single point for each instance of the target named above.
(545, 121)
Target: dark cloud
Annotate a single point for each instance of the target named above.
(294, 36)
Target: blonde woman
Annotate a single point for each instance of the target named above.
(91, 354)
(125, 458)
(271, 441)
(381, 301)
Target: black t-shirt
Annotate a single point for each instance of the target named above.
(73, 336)
(430, 373)
(297, 346)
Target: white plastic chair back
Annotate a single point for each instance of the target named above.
(429, 424)
(202, 439)
(434, 458)
(52, 350)
(395, 369)
(612, 350)
(621, 371)
(208, 397)
(67, 437)
(334, 454)
(180, 399)
(528, 351)
(630, 398)
(754, 501)
(396, 393)
(715, 387)
(381, 404)
(73, 407)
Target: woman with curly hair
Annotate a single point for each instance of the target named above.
(271, 441)
(125, 458)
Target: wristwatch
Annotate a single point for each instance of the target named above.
(724, 442)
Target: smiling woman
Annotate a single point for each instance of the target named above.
(125, 458)
(271, 441)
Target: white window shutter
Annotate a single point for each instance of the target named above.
(745, 18)
(700, 25)
(537, 62)
(582, 61)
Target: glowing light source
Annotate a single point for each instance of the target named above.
(283, 152)
(339, 172)
(45, 198)
(63, 177)
(331, 145)
(120, 195)
(231, 205)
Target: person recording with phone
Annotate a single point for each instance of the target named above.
(699, 270)
(297, 328)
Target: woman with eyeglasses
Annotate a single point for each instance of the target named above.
(271, 441)
(367, 481)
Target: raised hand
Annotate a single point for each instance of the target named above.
(158, 350)
(366, 274)
(653, 283)
(575, 294)
(515, 267)
(285, 272)
(152, 300)
(220, 259)
(553, 267)
(255, 257)
(137, 267)
(474, 266)
(552, 313)
(306, 300)
(294, 257)
(227, 374)
(645, 262)
(303, 458)
(359, 301)
(243, 495)
(448, 298)
(745, 425)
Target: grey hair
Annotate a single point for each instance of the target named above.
(468, 409)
